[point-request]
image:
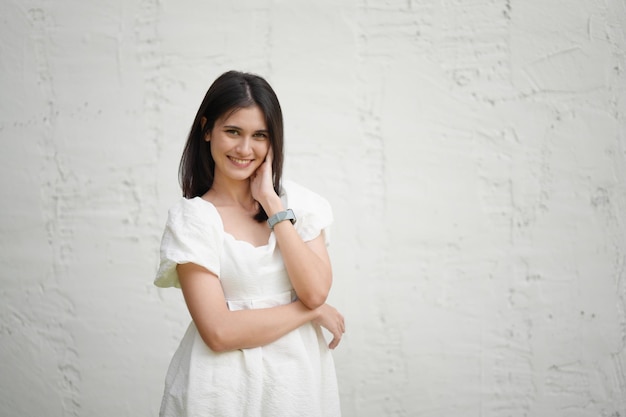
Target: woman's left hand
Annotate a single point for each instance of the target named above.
(261, 182)
(333, 321)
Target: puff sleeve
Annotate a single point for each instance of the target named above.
(193, 233)
(313, 212)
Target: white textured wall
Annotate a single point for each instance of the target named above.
(474, 152)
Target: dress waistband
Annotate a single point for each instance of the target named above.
(270, 301)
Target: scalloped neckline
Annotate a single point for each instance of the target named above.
(269, 239)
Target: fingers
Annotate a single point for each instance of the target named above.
(336, 339)
(334, 322)
(334, 343)
(265, 169)
(270, 156)
(338, 334)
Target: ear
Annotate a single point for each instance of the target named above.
(207, 136)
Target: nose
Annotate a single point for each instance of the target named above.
(244, 146)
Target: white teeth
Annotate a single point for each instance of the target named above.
(240, 161)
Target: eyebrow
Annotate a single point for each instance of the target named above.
(238, 128)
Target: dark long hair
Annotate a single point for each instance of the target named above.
(230, 91)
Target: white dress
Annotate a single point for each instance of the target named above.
(293, 376)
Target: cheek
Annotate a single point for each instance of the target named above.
(264, 148)
(214, 149)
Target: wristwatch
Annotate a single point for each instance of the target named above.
(280, 216)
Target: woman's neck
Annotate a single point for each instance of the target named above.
(232, 193)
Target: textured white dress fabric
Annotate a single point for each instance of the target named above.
(293, 376)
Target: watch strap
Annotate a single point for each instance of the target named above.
(281, 216)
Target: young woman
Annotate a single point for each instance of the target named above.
(249, 253)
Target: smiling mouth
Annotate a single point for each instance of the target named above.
(240, 162)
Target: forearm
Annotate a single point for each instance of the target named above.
(253, 328)
(222, 329)
(310, 272)
(310, 275)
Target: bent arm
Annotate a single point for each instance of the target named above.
(307, 264)
(223, 330)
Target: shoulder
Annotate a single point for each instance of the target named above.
(191, 206)
(194, 217)
(313, 212)
(298, 196)
(194, 210)
(193, 233)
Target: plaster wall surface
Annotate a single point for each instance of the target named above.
(474, 153)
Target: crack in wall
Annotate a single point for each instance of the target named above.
(58, 186)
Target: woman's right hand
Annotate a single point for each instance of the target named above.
(332, 320)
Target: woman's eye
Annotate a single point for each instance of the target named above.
(260, 135)
(232, 132)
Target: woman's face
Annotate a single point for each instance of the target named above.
(239, 143)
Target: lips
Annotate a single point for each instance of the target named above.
(242, 163)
